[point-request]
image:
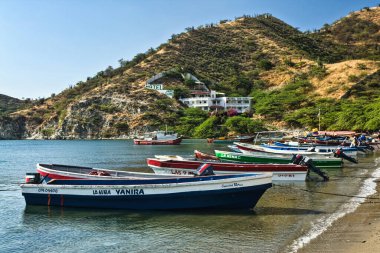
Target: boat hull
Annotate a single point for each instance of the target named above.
(322, 149)
(229, 193)
(245, 148)
(281, 172)
(67, 172)
(157, 142)
(264, 159)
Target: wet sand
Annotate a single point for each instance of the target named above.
(356, 232)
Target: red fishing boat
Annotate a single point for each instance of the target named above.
(188, 167)
(203, 156)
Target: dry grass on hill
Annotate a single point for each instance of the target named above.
(341, 76)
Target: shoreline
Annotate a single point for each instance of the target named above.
(358, 231)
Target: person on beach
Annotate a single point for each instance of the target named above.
(362, 139)
(354, 142)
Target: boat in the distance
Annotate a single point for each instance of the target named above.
(225, 140)
(158, 138)
(159, 193)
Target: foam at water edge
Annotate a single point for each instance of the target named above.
(319, 226)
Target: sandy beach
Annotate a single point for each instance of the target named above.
(356, 232)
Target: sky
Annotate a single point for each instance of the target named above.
(48, 45)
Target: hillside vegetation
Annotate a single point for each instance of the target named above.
(356, 35)
(289, 74)
(10, 104)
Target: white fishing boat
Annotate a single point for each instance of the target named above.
(156, 193)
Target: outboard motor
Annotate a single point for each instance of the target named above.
(296, 159)
(309, 163)
(205, 169)
(32, 178)
(339, 153)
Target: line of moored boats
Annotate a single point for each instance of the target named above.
(226, 179)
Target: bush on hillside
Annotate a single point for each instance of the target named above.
(242, 125)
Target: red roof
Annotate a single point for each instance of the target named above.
(200, 92)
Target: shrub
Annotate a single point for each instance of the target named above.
(289, 62)
(243, 125)
(265, 64)
(47, 132)
(353, 78)
(122, 127)
(361, 66)
(209, 128)
(108, 108)
(181, 92)
(318, 71)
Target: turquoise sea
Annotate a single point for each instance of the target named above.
(287, 217)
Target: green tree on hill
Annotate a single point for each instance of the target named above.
(242, 125)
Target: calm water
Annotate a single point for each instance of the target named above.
(287, 216)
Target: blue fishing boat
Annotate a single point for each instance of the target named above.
(352, 151)
(161, 193)
(346, 149)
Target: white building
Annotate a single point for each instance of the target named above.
(202, 98)
(207, 100)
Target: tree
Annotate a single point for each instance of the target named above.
(123, 62)
(209, 128)
(242, 125)
(192, 117)
(181, 92)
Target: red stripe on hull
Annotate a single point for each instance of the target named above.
(227, 166)
(55, 176)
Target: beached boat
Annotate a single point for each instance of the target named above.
(203, 156)
(262, 158)
(203, 192)
(57, 171)
(186, 167)
(158, 138)
(346, 149)
(234, 148)
(351, 151)
(247, 148)
(325, 140)
(266, 136)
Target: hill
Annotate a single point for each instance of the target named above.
(357, 35)
(10, 104)
(283, 69)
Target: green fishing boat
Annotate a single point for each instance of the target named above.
(244, 158)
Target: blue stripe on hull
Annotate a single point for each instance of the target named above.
(226, 199)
